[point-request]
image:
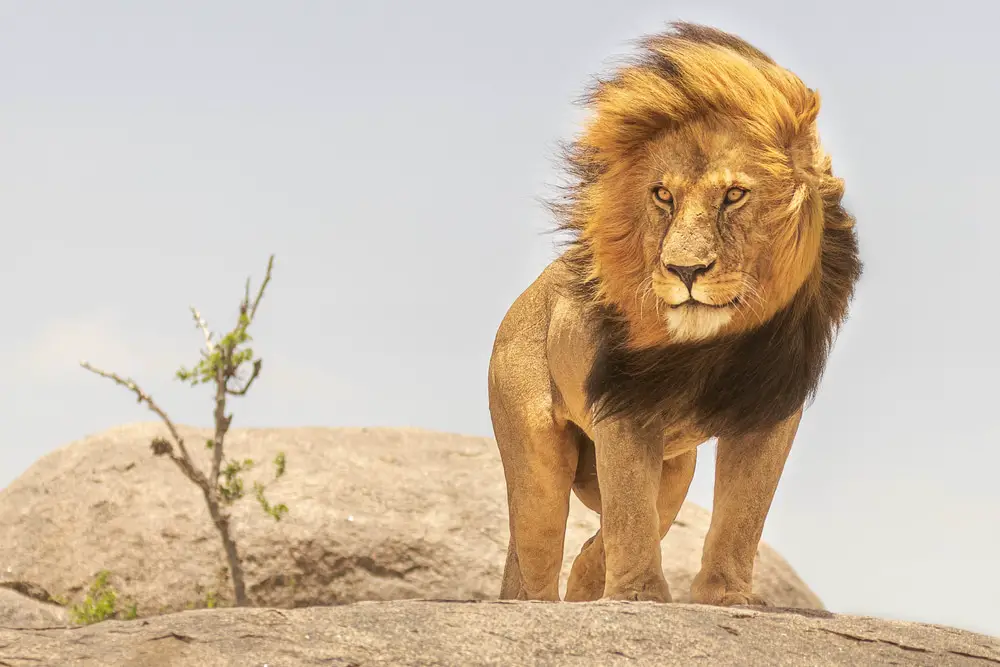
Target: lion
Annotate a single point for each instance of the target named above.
(709, 266)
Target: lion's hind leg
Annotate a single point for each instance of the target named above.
(539, 457)
(586, 579)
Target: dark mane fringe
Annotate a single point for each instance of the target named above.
(570, 214)
(740, 383)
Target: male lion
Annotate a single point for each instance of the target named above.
(710, 266)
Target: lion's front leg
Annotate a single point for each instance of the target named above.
(747, 472)
(628, 467)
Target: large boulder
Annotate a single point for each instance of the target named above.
(375, 514)
(501, 633)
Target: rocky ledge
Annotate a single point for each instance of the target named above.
(414, 632)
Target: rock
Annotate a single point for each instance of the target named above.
(375, 514)
(501, 633)
(25, 606)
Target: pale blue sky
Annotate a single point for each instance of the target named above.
(153, 153)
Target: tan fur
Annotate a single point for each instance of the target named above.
(703, 113)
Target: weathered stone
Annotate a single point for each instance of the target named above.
(375, 514)
(501, 633)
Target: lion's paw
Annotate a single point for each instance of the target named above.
(752, 599)
(639, 596)
(713, 589)
(724, 598)
(656, 591)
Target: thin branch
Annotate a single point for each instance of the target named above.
(225, 372)
(221, 420)
(260, 292)
(184, 460)
(246, 387)
(199, 320)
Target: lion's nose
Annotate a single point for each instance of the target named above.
(688, 274)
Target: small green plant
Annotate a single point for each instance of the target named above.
(211, 601)
(223, 363)
(101, 603)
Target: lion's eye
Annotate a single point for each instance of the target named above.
(662, 195)
(735, 194)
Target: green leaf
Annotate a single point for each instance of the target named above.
(276, 511)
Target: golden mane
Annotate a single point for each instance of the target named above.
(687, 73)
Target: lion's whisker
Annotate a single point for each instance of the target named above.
(755, 298)
(647, 292)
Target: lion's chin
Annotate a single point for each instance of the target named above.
(694, 321)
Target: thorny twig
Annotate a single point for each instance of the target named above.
(183, 461)
(200, 321)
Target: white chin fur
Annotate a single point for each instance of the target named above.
(693, 323)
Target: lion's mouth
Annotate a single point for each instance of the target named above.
(694, 303)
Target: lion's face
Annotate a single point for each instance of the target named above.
(714, 259)
(701, 190)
